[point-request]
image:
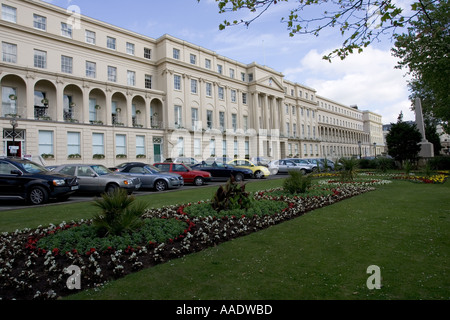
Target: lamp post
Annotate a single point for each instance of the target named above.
(13, 150)
(359, 144)
(375, 149)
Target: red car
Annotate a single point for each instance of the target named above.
(195, 177)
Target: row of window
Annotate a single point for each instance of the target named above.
(176, 54)
(177, 84)
(46, 143)
(340, 110)
(9, 13)
(198, 151)
(9, 54)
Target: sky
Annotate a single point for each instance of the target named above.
(368, 80)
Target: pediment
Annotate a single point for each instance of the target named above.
(270, 82)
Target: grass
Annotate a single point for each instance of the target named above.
(403, 227)
(35, 216)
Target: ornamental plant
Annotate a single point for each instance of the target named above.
(297, 182)
(231, 196)
(348, 168)
(119, 214)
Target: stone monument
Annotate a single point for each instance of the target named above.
(427, 148)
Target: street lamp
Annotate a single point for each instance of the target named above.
(13, 150)
(359, 144)
(375, 149)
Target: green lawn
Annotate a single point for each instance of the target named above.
(35, 216)
(403, 227)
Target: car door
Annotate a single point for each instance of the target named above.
(12, 181)
(88, 179)
(144, 174)
(290, 165)
(182, 171)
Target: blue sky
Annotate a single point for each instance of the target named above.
(368, 80)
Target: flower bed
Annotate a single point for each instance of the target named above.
(32, 268)
(437, 178)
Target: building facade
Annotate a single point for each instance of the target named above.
(81, 90)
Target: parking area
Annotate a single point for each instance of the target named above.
(6, 205)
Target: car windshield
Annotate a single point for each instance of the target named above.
(101, 170)
(151, 169)
(32, 167)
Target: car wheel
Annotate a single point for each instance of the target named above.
(110, 188)
(303, 171)
(160, 185)
(37, 195)
(258, 174)
(238, 177)
(198, 181)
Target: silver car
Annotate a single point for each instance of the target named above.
(150, 176)
(97, 178)
(284, 166)
(303, 165)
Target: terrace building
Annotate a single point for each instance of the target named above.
(83, 90)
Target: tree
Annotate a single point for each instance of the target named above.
(424, 52)
(403, 140)
(360, 22)
(432, 136)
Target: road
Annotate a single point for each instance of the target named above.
(6, 205)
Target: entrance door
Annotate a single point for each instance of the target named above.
(14, 149)
(157, 152)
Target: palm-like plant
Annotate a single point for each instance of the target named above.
(348, 168)
(119, 213)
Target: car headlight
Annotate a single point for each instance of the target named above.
(59, 182)
(127, 182)
(172, 179)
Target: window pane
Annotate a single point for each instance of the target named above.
(73, 143)
(46, 142)
(98, 143)
(40, 59)
(9, 52)
(39, 22)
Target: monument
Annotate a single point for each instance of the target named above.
(427, 148)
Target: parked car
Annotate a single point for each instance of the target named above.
(150, 176)
(223, 171)
(259, 172)
(196, 177)
(96, 178)
(211, 160)
(27, 180)
(185, 160)
(308, 166)
(320, 163)
(284, 166)
(260, 161)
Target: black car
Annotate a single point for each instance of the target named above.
(27, 180)
(222, 171)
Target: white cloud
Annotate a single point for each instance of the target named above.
(368, 80)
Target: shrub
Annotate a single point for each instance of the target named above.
(119, 214)
(348, 168)
(384, 164)
(231, 196)
(440, 163)
(297, 182)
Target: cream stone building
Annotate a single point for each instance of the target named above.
(81, 90)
